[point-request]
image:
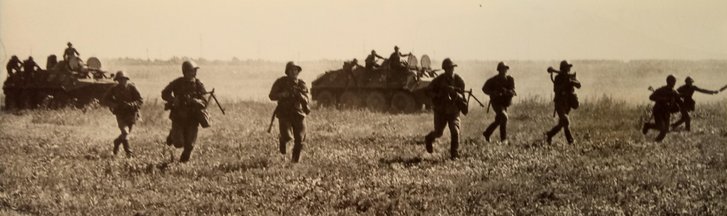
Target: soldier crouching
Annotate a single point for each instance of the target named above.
(292, 96)
(185, 99)
(124, 100)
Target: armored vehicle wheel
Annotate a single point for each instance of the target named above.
(326, 99)
(404, 102)
(350, 99)
(376, 101)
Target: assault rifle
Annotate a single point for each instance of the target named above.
(212, 96)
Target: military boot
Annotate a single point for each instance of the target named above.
(117, 143)
(297, 148)
(568, 136)
(127, 148)
(428, 140)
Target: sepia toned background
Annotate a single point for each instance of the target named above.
(358, 162)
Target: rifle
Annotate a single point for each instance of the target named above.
(470, 95)
(212, 96)
(272, 120)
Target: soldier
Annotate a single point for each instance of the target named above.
(13, 66)
(687, 91)
(185, 98)
(292, 96)
(395, 60)
(564, 86)
(349, 67)
(30, 67)
(667, 101)
(70, 52)
(371, 64)
(448, 95)
(124, 101)
(501, 89)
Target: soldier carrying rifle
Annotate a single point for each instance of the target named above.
(564, 85)
(292, 96)
(124, 101)
(448, 102)
(667, 101)
(185, 99)
(501, 89)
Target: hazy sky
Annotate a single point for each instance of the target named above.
(310, 30)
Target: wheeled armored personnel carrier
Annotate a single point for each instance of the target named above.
(71, 83)
(381, 89)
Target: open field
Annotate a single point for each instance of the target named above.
(626, 81)
(358, 162)
(58, 162)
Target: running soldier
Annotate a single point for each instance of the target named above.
(564, 85)
(448, 97)
(185, 98)
(667, 101)
(124, 101)
(687, 92)
(292, 96)
(501, 89)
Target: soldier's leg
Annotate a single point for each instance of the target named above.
(662, 123)
(190, 137)
(299, 135)
(285, 128)
(687, 121)
(439, 124)
(454, 128)
(682, 119)
(176, 134)
(495, 123)
(565, 122)
(125, 141)
(502, 119)
(556, 128)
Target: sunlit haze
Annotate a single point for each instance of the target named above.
(311, 30)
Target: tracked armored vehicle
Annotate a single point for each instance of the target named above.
(382, 89)
(72, 83)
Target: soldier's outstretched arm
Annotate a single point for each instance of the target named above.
(705, 91)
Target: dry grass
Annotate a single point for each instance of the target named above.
(60, 162)
(358, 162)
